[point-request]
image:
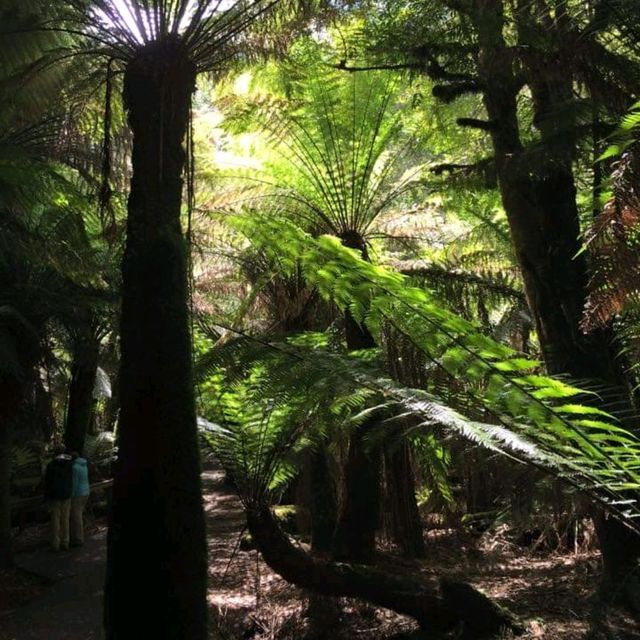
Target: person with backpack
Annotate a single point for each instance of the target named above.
(79, 495)
(58, 486)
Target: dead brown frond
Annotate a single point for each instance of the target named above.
(614, 240)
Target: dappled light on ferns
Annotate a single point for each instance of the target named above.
(544, 421)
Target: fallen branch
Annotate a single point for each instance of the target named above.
(437, 605)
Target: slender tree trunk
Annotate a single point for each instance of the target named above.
(157, 559)
(540, 203)
(81, 402)
(324, 611)
(407, 366)
(355, 536)
(111, 356)
(406, 525)
(323, 501)
(6, 556)
(45, 420)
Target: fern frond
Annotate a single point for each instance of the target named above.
(537, 414)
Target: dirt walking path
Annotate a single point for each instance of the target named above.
(70, 607)
(247, 600)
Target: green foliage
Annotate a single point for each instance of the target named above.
(341, 156)
(271, 401)
(545, 421)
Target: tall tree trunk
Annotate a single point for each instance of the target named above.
(45, 421)
(157, 559)
(81, 402)
(406, 525)
(6, 556)
(10, 395)
(407, 366)
(323, 501)
(540, 203)
(324, 611)
(112, 405)
(355, 536)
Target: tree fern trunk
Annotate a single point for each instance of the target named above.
(406, 525)
(355, 536)
(156, 568)
(323, 500)
(323, 611)
(81, 402)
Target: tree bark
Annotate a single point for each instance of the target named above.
(81, 402)
(323, 501)
(157, 559)
(438, 606)
(324, 611)
(406, 524)
(112, 405)
(6, 555)
(11, 390)
(359, 516)
(44, 419)
(407, 366)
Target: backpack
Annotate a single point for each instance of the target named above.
(58, 479)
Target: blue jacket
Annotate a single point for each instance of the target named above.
(80, 478)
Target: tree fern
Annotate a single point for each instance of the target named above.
(543, 420)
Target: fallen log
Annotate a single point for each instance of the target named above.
(438, 605)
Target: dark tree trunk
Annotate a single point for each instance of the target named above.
(359, 517)
(407, 366)
(323, 501)
(539, 197)
(438, 606)
(157, 560)
(620, 581)
(81, 402)
(10, 395)
(324, 611)
(44, 419)
(355, 535)
(406, 525)
(6, 556)
(112, 405)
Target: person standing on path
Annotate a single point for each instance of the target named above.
(79, 496)
(57, 492)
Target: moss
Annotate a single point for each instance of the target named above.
(246, 542)
(286, 516)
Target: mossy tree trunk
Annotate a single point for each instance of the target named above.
(157, 564)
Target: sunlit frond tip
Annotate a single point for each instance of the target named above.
(209, 30)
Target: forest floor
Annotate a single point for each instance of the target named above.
(58, 596)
